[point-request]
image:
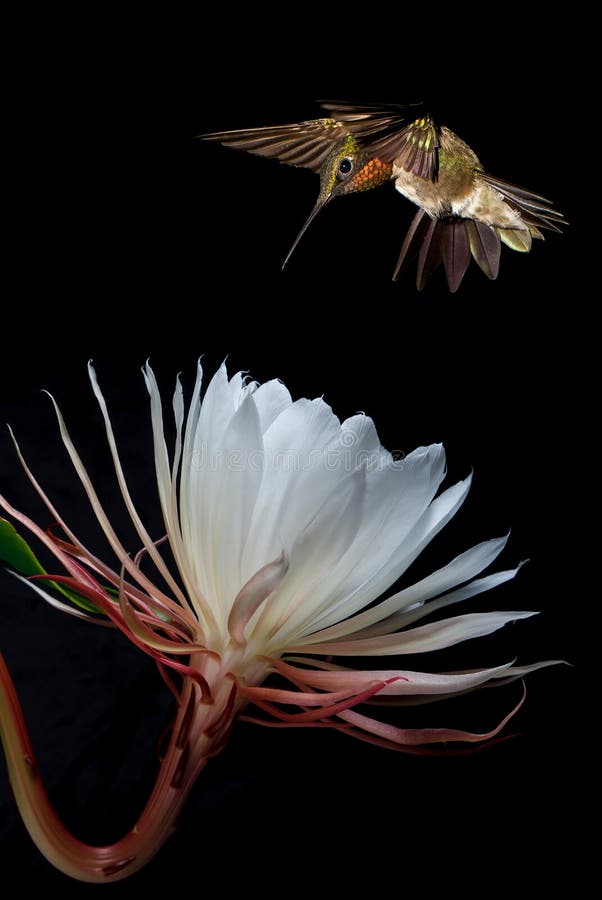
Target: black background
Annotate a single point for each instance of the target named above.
(130, 239)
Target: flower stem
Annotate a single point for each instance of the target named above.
(199, 732)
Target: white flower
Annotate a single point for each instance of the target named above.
(286, 526)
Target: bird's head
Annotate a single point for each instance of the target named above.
(346, 170)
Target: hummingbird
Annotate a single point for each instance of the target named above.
(463, 211)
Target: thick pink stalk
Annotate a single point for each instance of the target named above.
(199, 732)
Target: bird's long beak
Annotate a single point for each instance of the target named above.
(321, 203)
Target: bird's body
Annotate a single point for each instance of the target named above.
(463, 211)
(450, 192)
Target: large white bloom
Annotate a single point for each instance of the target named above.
(266, 480)
(286, 526)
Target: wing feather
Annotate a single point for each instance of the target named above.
(304, 144)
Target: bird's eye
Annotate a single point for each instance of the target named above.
(345, 166)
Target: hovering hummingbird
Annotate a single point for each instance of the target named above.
(463, 211)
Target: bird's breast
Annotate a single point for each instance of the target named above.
(447, 196)
(430, 195)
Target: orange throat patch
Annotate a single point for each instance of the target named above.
(375, 172)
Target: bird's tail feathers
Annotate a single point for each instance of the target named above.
(452, 242)
(535, 210)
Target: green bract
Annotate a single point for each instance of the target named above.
(19, 556)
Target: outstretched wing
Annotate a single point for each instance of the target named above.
(303, 144)
(383, 130)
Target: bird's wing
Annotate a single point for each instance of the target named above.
(303, 144)
(383, 130)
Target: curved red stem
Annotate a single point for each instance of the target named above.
(189, 748)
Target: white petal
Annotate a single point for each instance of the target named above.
(434, 518)
(179, 416)
(237, 388)
(384, 560)
(462, 568)
(198, 505)
(166, 483)
(318, 548)
(295, 480)
(271, 399)
(423, 639)
(356, 444)
(515, 672)
(393, 495)
(472, 589)
(188, 461)
(162, 467)
(237, 479)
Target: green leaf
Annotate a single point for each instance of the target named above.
(19, 556)
(15, 552)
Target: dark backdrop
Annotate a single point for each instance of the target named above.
(131, 240)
